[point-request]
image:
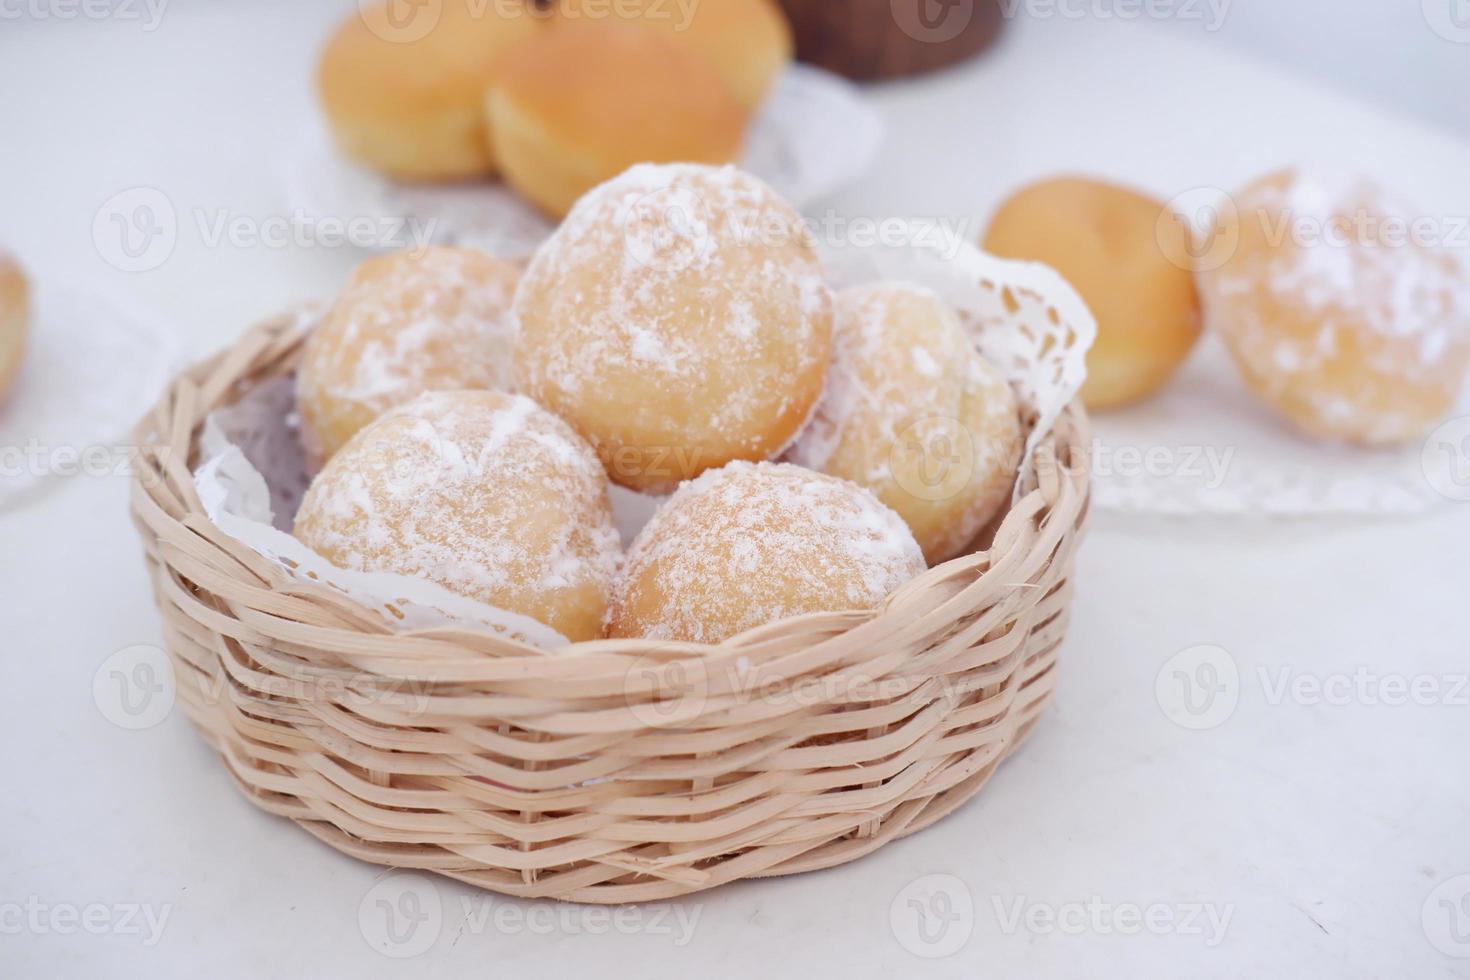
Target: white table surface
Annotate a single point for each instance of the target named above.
(1319, 830)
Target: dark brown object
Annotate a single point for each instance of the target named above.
(872, 39)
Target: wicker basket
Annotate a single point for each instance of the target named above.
(612, 771)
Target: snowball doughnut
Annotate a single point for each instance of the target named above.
(679, 320)
(752, 543)
(1337, 317)
(577, 106)
(1133, 270)
(482, 492)
(748, 42)
(916, 415)
(404, 325)
(15, 317)
(403, 86)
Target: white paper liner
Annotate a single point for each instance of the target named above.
(814, 134)
(92, 368)
(1025, 318)
(1207, 445)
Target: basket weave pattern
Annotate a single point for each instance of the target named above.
(612, 771)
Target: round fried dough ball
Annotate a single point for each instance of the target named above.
(752, 543)
(678, 319)
(1131, 268)
(403, 85)
(405, 324)
(486, 494)
(575, 107)
(1342, 317)
(916, 415)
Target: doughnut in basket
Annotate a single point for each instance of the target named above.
(481, 491)
(668, 334)
(405, 324)
(753, 543)
(915, 414)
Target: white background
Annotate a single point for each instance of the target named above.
(1327, 833)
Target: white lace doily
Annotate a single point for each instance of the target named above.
(814, 134)
(1206, 445)
(90, 371)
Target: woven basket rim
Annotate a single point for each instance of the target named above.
(287, 329)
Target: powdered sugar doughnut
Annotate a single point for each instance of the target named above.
(404, 325)
(1337, 317)
(15, 314)
(753, 543)
(679, 320)
(916, 415)
(485, 493)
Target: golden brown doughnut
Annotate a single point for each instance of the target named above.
(577, 106)
(914, 413)
(1132, 269)
(15, 315)
(668, 332)
(1337, 317)
(748, 544)
(482, 492)
(404, 94)
(748, 42)
(405, 324)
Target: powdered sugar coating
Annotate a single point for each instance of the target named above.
(485, 493)
(1337, 316)
(916, 415)
(406, 324)
(679, 319)
(752, 543)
